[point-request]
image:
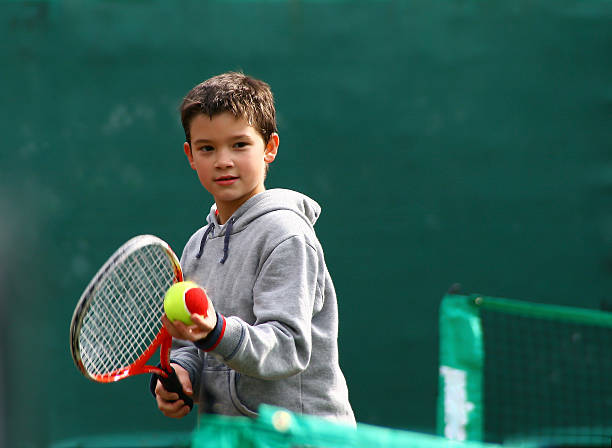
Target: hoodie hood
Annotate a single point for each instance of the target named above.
(265, 202)
(270, 201)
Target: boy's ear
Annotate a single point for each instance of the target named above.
(189, 154)
(271, 148)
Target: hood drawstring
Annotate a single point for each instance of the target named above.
(204, 238)
(228, 232)
(226, 240)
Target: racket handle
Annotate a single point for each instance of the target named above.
(172, 384)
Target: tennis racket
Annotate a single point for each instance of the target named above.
(116, 326)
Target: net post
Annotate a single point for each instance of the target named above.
(461, 362)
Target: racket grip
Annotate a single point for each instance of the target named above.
(172, 384)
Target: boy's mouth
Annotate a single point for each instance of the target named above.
(226, 180)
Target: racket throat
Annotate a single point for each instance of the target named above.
(165, 342)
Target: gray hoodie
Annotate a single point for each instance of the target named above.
(265, 272)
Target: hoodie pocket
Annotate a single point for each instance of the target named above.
(233, 380)
(247, 393)
(215, 389)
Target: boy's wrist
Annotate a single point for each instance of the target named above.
(214, 337)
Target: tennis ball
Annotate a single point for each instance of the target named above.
(184, 298)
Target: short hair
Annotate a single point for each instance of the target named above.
(241, 95)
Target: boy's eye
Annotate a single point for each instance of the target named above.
(206, 148)
(240, 144)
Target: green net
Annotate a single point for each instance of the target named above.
(538, 374)
(278, 428)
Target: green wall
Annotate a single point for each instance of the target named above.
(450, 141)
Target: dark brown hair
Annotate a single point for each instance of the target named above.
(243, 96)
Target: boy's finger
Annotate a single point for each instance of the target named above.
(198, 319)
(171, 408)
(170, 397)
(181, 327)
(204, 323)
(180, 413)
(177, 329)
(183, 378)
(166, 321)
(159, 388)
(169, 326)
(164, 394)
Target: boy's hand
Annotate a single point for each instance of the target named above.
(200, 328)
(168, 402)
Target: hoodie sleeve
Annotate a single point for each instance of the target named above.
(279, 343)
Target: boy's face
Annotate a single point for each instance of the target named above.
(230, 157)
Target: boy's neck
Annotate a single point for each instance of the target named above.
(225, 210)
(222, 216)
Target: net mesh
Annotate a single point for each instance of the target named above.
(124, 312)
(546, 377)
(279, 428)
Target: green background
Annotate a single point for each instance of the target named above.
(448, 141)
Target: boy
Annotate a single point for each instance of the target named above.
(271, 336)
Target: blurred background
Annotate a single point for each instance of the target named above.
(456, 141)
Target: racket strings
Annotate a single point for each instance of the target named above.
(124, 314)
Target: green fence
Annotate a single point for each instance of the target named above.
(522, 372)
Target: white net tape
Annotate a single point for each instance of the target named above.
(125, 310)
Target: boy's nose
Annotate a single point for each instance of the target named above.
(223, 161)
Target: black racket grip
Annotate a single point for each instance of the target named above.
(172, 384)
